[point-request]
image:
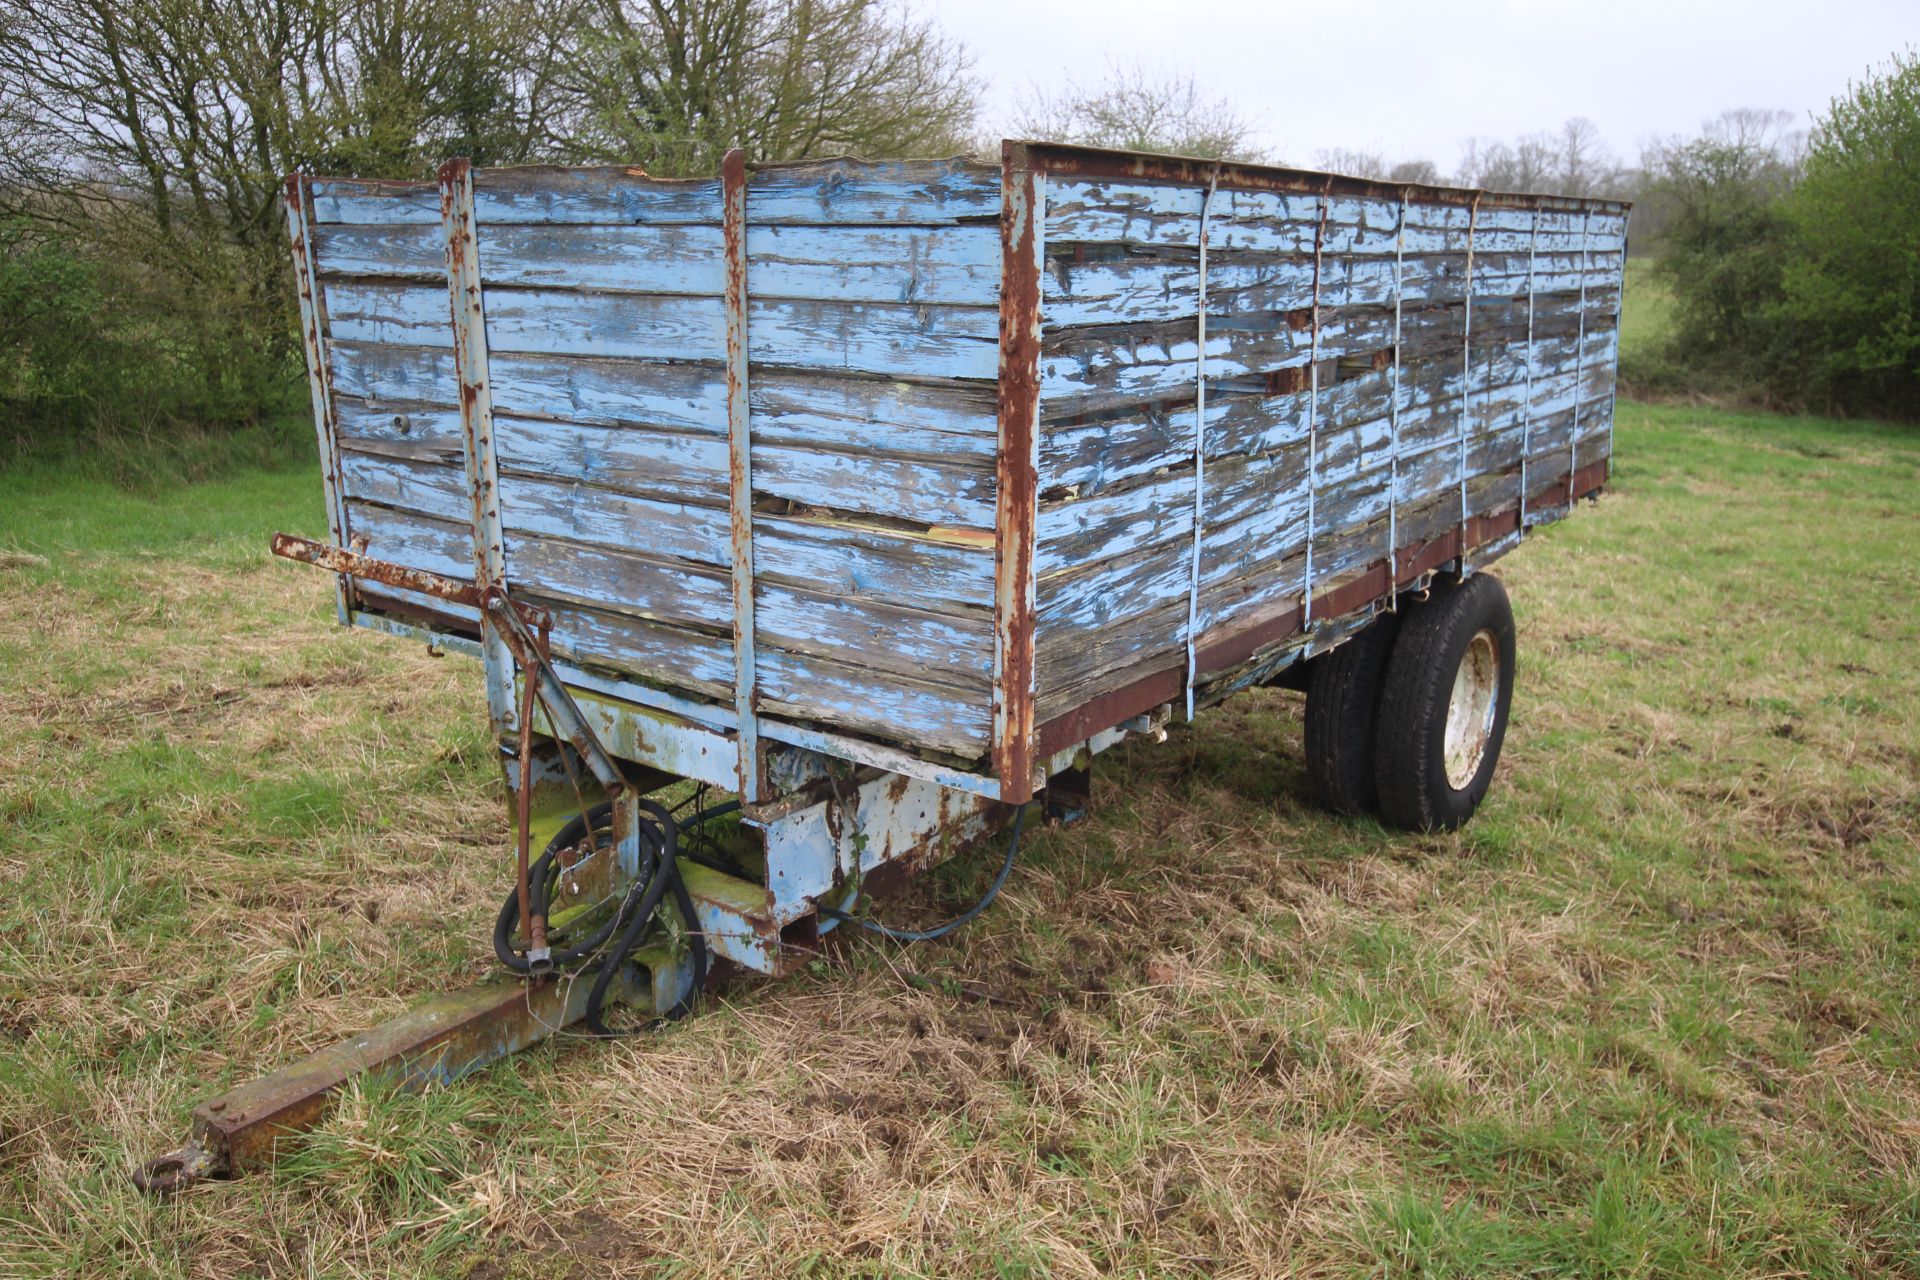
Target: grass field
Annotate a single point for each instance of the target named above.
(1653, 1014)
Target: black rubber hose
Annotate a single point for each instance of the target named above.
(658, 835)
(543, 875)
(663, 876)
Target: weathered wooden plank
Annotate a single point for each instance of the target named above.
(381, 375)
(619, 581)
(1140, 213)
(920, 266)
(933, 493)
(843, 191)
(437, 490)
(622, 642)
(908, 341)
(376, 201)
(826, 192)
(1140, 289)
(542, 193)
(867, 633)
(913, 419)
(1089, 371)
(836, 558)
(929, 717)
(583, 513)
(861, 337)
(956, 266)
(679, 466)
(925, 419)
(407, 538)
(872, 563)
(397, 250)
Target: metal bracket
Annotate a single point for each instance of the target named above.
(509, 622)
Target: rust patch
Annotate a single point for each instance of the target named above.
(322, 556)
(1095, 162)
(1017, 475)
(746, 693)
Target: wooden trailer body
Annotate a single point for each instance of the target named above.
(940, 468)
(886, 495)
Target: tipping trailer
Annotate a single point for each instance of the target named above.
(883, 496)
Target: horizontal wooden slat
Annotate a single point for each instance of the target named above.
(828, 192)
(1158, 289)
(416, 541)
(875, 563)
(957, 266)
(1118, 212)
(798, 407)
(890, 192)
(910, 341)
(928, 717)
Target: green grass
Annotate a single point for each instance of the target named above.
(1652, 1014)
(1646, 313)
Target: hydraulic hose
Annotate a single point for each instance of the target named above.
(658, 834)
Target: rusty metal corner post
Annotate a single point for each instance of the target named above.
(1017, 464)
(313, 335)
(746, 694)
(476, 425)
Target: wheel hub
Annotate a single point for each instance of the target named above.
(1470, 711)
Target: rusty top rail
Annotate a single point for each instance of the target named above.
(1149, 166)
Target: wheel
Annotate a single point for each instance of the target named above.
(1443, 706)
(1343, 698)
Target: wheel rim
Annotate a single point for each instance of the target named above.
(1470, 711)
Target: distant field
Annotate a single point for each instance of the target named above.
(1653, 1014)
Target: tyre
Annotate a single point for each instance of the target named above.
(1443, 706)
(1343, 698)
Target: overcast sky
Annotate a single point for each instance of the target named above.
(1413, 78)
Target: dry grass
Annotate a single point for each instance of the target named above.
(1652, 1014)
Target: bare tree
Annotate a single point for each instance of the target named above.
(1587, 166)
(1355, 164)
(1571, 161)
(1525, 164)
(1762, 130)
(1419, 172)
(1375, 165)
(1139, 109)
(671, 84)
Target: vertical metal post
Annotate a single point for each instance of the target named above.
(476, 423)
(1313, 405)
(313, 334)
(1017, 466)
(1619, 314)
(733, 180)
(1466, 379)
(1526, 405)
(1393, 410)
(1199, 446)
(1579, 359)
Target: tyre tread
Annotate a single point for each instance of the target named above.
(1413, 705)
